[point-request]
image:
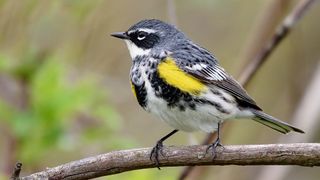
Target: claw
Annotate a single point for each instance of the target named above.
(214, 146)
(216, 143)
(154, 155)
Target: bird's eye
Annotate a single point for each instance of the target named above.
(142, 35)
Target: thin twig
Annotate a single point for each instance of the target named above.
(282, 31)
(247, 74)
(16, 171)
(127, 160)
(263, 28)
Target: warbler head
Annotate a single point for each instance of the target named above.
(150, 36)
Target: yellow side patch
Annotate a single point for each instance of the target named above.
(133, 89)
(174, 76)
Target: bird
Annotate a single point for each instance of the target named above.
(184, 85)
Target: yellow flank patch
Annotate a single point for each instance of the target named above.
(174, 76)
(133, 89)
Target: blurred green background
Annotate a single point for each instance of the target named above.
(64, 90)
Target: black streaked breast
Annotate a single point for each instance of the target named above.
(141, 94)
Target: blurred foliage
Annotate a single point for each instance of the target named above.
(61, 113)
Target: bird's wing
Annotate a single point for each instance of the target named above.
(205, 68)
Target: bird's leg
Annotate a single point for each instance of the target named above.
(158, 148)
(215, 144)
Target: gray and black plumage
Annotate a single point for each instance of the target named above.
(184, 85)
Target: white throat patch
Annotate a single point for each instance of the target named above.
(135, 50)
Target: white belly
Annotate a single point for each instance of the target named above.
(204, 118)
(188, 120)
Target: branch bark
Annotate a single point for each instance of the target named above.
(302, 154)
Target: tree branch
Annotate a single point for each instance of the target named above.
(302, 154)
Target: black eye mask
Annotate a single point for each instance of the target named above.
(147, 42)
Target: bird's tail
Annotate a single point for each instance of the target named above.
(274, 123)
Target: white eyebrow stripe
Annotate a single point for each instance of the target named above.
(131, 31)
(147, 30)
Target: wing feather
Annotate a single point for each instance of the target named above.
(208, 71)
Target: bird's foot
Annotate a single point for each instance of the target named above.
(214, 146)
(155, 152)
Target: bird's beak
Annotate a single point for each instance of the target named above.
(120, 35)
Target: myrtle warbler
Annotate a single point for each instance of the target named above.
(184, 85)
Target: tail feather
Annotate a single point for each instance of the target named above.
(274, 123)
